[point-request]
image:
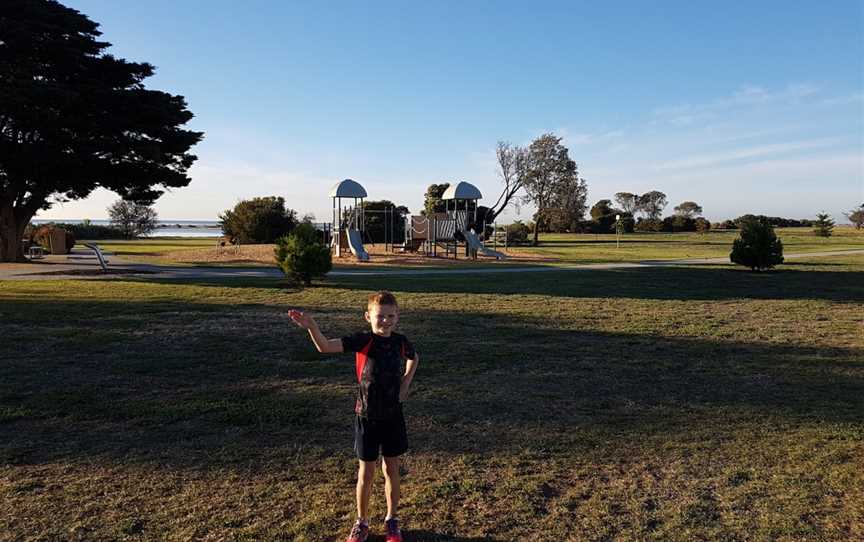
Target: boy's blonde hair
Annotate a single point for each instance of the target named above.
(381, 298)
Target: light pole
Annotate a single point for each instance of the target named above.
(617, 231)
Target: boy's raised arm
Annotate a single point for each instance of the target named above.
(322, 343)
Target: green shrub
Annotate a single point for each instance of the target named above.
(757, 246)
(628, 223)
(517, 233)
(649, 224)
(259, 220)
(87, 230)
(302, 256)
(603, 217)
(678, 223)
(776, 221)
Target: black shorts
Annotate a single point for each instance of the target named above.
(387, 437)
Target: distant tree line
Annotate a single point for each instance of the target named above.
(82, 231)
(774, 221)
(605, 216)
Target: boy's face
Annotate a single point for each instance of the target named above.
(383, 319)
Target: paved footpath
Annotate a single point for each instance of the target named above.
(82, 266)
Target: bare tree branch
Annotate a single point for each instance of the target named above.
(511, 164)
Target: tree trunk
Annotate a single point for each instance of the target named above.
(11, 230)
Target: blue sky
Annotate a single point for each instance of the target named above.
(742, 107)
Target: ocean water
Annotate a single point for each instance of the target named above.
(166, 228)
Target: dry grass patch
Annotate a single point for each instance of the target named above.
(244, 254)
(263, 255)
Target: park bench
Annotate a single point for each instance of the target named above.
(35, 252)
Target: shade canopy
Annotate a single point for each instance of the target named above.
(462, 190)
(347, 189)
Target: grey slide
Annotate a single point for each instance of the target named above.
(474, 243)
(356, 245)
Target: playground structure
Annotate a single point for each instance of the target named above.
(349, 222)
(456, 227)
(450, 231)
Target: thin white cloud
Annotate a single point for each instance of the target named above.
(583, 138)
(857, 97)
(751, 94)
(740, 135)
(719, 159)
(580, 139)
(747, 95)
(620, 148)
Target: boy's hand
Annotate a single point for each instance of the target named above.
(302, 319)
(410, 368)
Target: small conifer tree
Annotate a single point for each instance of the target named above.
(302, 256)
(823, 225)
(757, 246)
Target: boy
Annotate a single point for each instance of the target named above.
(382, 387)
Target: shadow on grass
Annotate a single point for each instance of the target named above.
(226, 281)
(699, 282)
(694, 282)
(210, 386)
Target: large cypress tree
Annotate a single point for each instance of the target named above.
(73, 118)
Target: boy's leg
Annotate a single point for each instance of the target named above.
(366, 444)
(394, 444)
(364, 488)
(390, 468)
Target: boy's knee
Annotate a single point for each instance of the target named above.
(366, 471)
(390, 465)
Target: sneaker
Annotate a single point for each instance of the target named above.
(393, 532)
(359, 532)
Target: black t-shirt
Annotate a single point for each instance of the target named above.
(378, 364)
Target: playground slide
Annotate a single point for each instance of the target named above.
(356, 244)
(474, 243)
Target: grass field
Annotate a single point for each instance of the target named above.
(588, 248)
(565, 248)
(154, 250)
(697, 403)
